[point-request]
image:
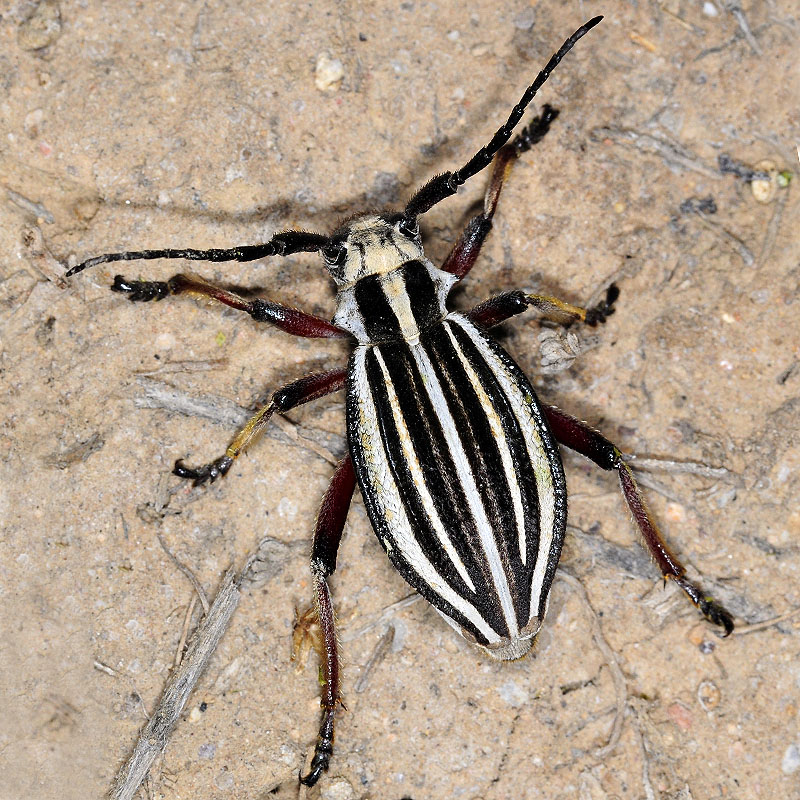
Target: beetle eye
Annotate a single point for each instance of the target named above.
(408, 227)
(334, 254)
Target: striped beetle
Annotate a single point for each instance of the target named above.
(456, 458)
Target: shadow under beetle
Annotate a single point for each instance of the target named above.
(456, 458)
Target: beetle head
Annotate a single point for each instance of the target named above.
(371, 244)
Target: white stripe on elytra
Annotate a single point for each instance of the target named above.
(386, 493)
(464, 472)
(529, 424)
(499, 436)
(414, 467)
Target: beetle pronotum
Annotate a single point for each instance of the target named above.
(456, 458)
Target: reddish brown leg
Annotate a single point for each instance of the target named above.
(327, 536)
(287, 319)
(290, 396)
(580, 437)
(504, 306)
(466, 250)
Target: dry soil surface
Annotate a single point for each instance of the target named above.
(150, 124)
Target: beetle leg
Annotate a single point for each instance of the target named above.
(287, 319)
(580, 437)
(504, 306)
(466, 250)
(284, 399)
(327, 536)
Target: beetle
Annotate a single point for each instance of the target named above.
(456, 458)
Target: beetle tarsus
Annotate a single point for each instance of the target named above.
(322, 751)
(141, 291)
(602, 311)
(535, 130)
(210, 472)
(713, 611)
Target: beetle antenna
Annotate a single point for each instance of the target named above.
(281, 244)
(446, 185)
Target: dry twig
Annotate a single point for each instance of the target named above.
(383, 617)
(773, 226)
(41, 257)
(734, 7)
(378, 654)
(648, 786)
(678, 467)
(767, 623)
(732, 242)
(187, 621)
(672, 153)
(186, 571)
(153, 738)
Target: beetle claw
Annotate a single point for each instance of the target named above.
(715, 613)
(319, 764)
(603, 310)
(712, 610)
(312, 777)
(210, 472)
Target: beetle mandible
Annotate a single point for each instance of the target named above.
(456, 458)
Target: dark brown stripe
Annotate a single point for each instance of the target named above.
(441, 479)
(496, 490)
(551, 450)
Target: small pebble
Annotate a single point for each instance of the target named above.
(525, 19)
(675, 512)
(697, 635)
(42, 27)
(32, 124)
(764, 191)
(224, 779)
(85, 208)
(328, 73)
(791, 760)
(207, 750)
(708, 695)
(513, 694)
(680, 715)
(337, 789)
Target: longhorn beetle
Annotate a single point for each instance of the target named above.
(456, 458)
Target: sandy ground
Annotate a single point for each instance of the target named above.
(136, 124)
